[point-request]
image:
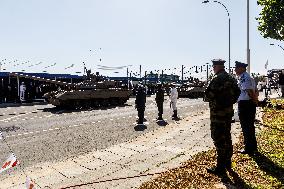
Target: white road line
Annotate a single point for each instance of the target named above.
(50, 129)
(44, 130)
(56, 128)
(37, 131)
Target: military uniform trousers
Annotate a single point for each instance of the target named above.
(221, 135)
(141, 111)
(160, 109)
(247, 110)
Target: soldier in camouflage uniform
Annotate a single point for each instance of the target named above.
(140, 103)
(221, 93)
(160, 101)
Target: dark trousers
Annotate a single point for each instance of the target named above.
(247, 110)
(221, 135)
(160, 109)
(140, 115)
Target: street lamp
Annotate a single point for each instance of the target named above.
(229, 29)
(272, 44)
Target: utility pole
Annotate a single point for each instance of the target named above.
(145, 78)
(248, 50)
(127, 77)
(140, 71)
(162, 76)
(207, 71)
(182, 67)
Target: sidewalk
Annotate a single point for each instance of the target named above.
(153, 152)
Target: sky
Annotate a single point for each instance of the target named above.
(157, 34)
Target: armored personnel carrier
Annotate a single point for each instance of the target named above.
(94, 91)
(191, 90)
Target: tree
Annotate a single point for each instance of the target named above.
(271, 20)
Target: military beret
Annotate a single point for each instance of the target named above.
(218, 62)
(240, 64)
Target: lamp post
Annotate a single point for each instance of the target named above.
(272, 44)
(248, 49)
(229, 29)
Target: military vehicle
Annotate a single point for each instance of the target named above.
(94, 91)
(191, 90)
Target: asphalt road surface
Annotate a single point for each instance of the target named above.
(43, 133)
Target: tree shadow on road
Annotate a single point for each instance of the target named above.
(60, 110)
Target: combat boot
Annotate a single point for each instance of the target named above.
(160, 117)
(217, 171)
(175, 114)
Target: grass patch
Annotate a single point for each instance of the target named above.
(265, 170)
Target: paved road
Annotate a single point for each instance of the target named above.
(42, 133)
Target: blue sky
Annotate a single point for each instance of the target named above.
(154, 33)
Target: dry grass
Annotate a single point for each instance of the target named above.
(265, 170)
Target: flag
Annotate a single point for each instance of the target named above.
(29, 183)
(9, 163)
(266, 64)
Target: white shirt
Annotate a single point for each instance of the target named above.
(22, 87)
(245, 82)
(174, 94)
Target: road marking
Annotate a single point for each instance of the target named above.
(25, 133)
(50, 129)
(56, 128)
(31, 132)
(44, 130)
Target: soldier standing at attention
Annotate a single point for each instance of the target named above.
(140, 103)
(221, 93)
(173, 99)
(160, 100)
(247, 102)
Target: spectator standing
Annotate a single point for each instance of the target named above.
(247, 102)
